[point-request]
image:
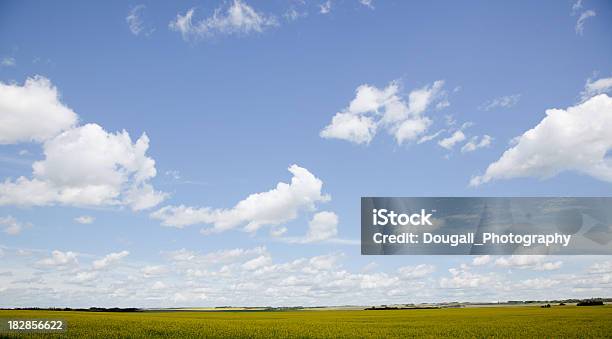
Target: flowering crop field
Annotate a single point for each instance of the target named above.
(500, 322)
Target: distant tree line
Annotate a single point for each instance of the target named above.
(91, 309)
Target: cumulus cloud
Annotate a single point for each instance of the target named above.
(481, 260)
(374, 108)
(502, 102)
(462, 278)
(136, 23)
(416, 272)
(450, 142)
(32, 112)
(238, 19)
(83, 165)
(86, 276)
(59, 258)
(578, 138)
(12, 226)
(323, 226)
(273, 207)
(253, 276)
(532, 262)
(87, 166)
(474, 143)
(84, 219)
(109, 259)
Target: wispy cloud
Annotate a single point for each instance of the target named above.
(501, 102)
(8, 62)
(136, 23)
(577, 7)
(237, 19)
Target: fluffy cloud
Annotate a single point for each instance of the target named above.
(474, 143)
(59, 258)
(109, 259)
(83, 165)
(583, 133)
(373, 108)
(416, 272)
(253, 276)
(462, 278)
(239, 19)
(533, 262)
(11, 225)
(354, 128)
(87, 166)
(323, 226)
(450, 142)
(32, 112)
(273, 207)
(84, 219)
(481, 260)
(503, 102)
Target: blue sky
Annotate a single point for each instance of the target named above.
(229, 103)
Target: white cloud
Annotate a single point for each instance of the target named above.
(84, 219)
(582, 19)
(325, 7)
(273, 207)
(367, 3)
(12, 226)
(503, 102)
(416, 272)
(421, 99)
(135, 21)
(599, 86)
(109, 259)
(354, 128)
(373, 108)
(577, 6)
(481, 260)
(533, 262)
(83, 165)
(85, 276)
(252, 276)
(462, 278)
(87, 166)
(323, 226)
(430, 137)
(259, 262)
(474, 143)
(59, 258)
(601, 267)
(32, 112)
(583, 133)
(450, 142)
(8, 62)
(153, 270)
(238, 19)
(158, 285)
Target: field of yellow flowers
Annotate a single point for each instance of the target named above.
(500, 322)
